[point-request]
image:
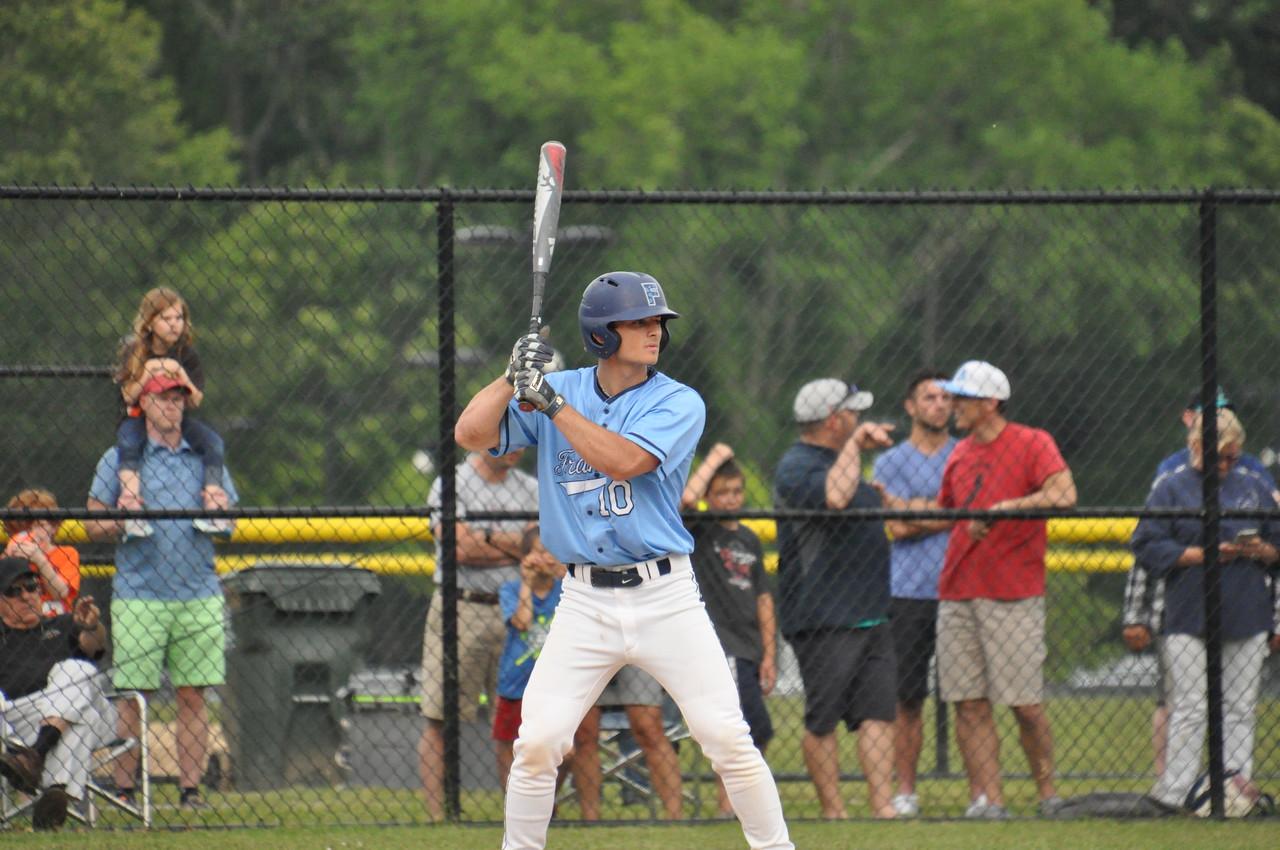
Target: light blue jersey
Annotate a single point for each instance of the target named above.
(915, 562)
(587, 518)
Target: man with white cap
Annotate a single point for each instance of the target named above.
(991, 647)
(833, 591)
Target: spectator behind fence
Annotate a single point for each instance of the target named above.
(991, 644)
(58, 566)
(166, 603)
(51, 697)
(1182, 456)
(528, 606)
(728, 562)
(912, 470)
(1143, 610)
(642, 699)
(488, 555)
(162, 342)
(1141, 619)
(1171, 548)
(833, 591)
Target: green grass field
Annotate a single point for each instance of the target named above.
(1021, 835)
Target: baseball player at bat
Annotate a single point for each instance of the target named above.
(615, 441)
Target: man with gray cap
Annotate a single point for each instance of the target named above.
(991, 647)
(51, 695)
(833, 591)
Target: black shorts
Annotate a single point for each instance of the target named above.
(849, 675)
(914, 624)
(747, 675)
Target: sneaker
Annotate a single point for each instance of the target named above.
(1155, 807)
(214, 527)
(22, 766)
(906, 805)
(50, 810)
(191, 799)
(137, 528)
(126, 797)
(980, 809)
(1051, 807)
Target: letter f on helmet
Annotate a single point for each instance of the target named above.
(620, 297)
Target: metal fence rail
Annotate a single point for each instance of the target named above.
(341, 330)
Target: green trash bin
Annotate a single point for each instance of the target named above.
(298, 630)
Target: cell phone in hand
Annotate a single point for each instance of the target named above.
(1245, 535)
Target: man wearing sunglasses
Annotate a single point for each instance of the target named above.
(52, 693)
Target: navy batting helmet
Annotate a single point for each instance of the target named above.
(620, 297)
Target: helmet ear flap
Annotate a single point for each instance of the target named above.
(604, 342)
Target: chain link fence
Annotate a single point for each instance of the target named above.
(340, 331)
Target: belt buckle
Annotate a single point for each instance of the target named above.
(630, 578)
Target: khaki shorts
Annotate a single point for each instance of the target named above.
(481, 634)
(992, 649)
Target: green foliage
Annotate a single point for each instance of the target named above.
(309, 315)
(83, 103)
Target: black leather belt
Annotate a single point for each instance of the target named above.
(630, 577)
(478, 596)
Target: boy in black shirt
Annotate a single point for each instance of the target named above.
(729, 565)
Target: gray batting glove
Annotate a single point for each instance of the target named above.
(531, 351)
(531, 387)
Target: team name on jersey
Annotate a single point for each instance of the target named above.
(568, 464)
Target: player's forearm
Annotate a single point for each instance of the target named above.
(700, 480)
(478, 548)
(523, 616)
(606, 452)
(844, 476)
(1058, 491)
(697, 485)
(477, 428)
(768, 625)
(93, 641)
(101, 530)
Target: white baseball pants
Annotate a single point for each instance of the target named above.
(73, 692)
(661, 627)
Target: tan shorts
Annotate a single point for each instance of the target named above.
(992, 649)
(481, 634)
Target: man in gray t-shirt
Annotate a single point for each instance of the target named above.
(488, 553)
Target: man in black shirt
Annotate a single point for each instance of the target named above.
(833, 592)
(729, 565)
(50, 693)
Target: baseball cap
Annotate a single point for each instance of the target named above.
(1193, 403)
(819, 399)
(978, 379)
(161, 383)
(12, 569)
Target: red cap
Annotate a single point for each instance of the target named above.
(161, 383)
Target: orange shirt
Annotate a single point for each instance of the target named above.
(66, 560)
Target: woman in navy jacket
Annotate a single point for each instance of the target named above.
(1247, 558)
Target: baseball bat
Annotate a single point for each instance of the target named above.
(546, 216)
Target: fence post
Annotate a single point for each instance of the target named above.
(448, 585)
(1212, 508)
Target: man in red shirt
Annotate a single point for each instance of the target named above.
(991, 647)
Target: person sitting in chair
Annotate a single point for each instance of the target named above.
(50, 693)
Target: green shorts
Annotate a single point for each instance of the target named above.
(149, 635)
